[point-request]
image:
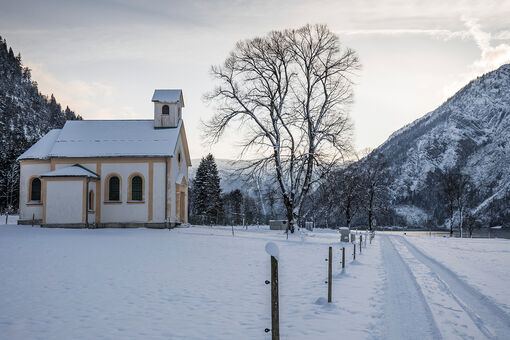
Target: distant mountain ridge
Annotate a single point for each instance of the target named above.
(469, 133)
(229, 174)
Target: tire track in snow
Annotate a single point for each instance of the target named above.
(407, 314)
(451, 319)
(492, 321)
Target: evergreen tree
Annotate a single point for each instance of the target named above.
(206, 199)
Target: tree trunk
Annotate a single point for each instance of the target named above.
(460, 222)
(291, 217)
(451, 222)
(348, 215)
(370, 211)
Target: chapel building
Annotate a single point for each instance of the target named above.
(110, 173)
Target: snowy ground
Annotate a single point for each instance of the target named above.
(202, 283)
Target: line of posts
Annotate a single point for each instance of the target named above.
(275, 318)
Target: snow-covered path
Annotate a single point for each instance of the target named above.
(405, 308)
(424, 297)
(491, 320)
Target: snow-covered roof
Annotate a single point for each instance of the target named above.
(106, 138)
(168, 96)
(42, 148)
(72, 171)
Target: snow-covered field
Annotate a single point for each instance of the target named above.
(202, 283)
(482, 263)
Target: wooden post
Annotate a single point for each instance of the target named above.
(354, 253)
(343, 257)
(275, 316)
(6, 216)
(360, 242)
(232, 230)
(330, 273)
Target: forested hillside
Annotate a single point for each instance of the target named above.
(468, 134)
(25, 116)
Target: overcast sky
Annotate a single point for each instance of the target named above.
(105, 58)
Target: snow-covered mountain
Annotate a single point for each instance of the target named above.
(469, 133)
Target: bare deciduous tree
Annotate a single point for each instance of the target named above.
(464, 187)
(289, 92)
(448, 185)
(456, 187)
(472, 223)
(374, 177)
(345, 187)
(351, 181)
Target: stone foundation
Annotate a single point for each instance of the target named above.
(169, 225)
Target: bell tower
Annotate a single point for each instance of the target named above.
(168, 106)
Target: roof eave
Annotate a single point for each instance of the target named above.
(71, 176)
(32, 159)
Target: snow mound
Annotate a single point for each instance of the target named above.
(321, 301)
(272, 249)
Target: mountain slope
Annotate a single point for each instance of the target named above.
(469, 133)
(25, 116)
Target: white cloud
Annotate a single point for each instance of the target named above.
(441, 33)
(491, 57)
(502, 35)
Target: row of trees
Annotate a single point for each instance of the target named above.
(208, 205)
(356, 191)
(458, 190)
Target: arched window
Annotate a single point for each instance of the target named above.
(91, 200)
(165, 110)
(35, 190)
(136, 188)
(114, 189)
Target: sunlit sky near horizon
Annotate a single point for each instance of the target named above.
(105, 58)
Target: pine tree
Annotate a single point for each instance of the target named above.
(207, 204)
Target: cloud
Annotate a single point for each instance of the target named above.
(491, 57)
(441, 33)
(502, 35)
